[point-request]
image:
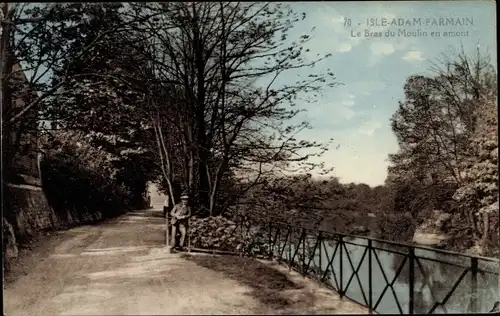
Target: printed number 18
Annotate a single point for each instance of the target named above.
(347, 22)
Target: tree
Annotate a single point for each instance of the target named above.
(211, 56)
(36, 39)
(431, 136)
(435, 122)
(444, 161)
(206, 89)
(99, 100)
(81, 179)
(39, 45)
(478, 196)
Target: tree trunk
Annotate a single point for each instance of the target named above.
(201, 139)
(203, 181)
(168, 167)
(6, 64)
(189, 151)
(162, 152)
(215, 185)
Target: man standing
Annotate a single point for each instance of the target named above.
(180, 217)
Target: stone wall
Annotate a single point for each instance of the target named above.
(27, 212)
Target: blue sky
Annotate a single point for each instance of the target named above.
(374, 70)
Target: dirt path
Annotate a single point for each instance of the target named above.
(121, 268)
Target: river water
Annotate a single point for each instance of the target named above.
(433, 285)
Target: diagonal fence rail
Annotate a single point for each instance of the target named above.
(384, 276)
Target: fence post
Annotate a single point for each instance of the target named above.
(303, 251)
(341, 263)
(189, 235)
(290, 262)
(270, 256)
(320, 268)
(370, 277)
(167, 232)
(473, 286)
(411, 283)
(242, 245)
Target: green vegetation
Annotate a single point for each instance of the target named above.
(81, 180)
(446, 128)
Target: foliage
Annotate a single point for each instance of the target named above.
(478, 195)
(36, 39)
(481, 187)
(319, 204)
(171, 88)
(83, 179)
(220, 233)
(446, 129)
(177, 83)
(206, 59)
(396, 227)
(435, 122)
(44, 45)
(420, 200)
(91, 85)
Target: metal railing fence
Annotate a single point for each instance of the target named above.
(363, 269)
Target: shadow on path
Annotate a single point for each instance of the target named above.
(268, 284)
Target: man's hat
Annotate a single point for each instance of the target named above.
(184, 196)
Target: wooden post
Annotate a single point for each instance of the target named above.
(167, 233)
(189, 234)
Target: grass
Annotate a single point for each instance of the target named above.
(267, 283)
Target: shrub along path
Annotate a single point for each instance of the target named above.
(120, 267)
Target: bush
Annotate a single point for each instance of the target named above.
(220, 233)
(88, 182)
(397, 227)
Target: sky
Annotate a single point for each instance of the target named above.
(373, 70)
